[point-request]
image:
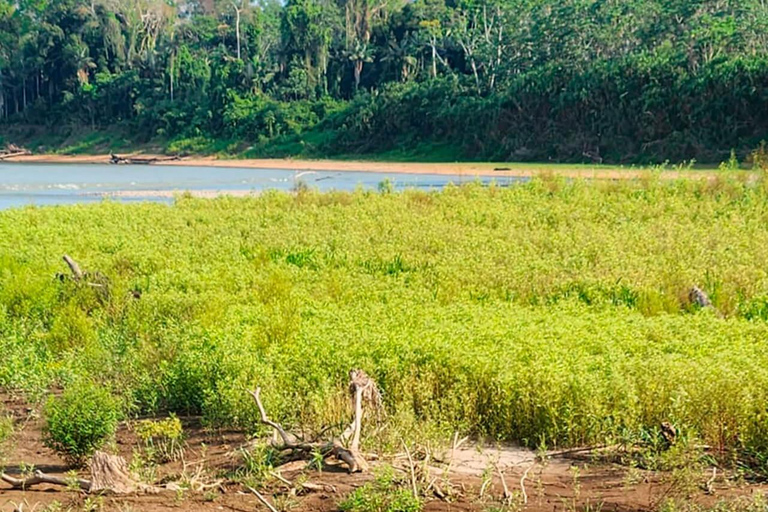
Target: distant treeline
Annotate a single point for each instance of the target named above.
(571, 80)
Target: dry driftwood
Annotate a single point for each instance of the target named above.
(109, 474)
(41, 478)
(92, 279)
(6, 156)
(120, 160)
(12, 150)
(77, 274)
(362, 389)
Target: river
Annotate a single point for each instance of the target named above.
(52, 184)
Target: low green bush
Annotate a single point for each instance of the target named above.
(80, 421)
(384, 494)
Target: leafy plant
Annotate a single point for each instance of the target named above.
(6, 431)
(384, 494)
(80, 421)
(258, 463)
(163, 439)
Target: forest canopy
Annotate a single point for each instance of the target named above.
(568, 80)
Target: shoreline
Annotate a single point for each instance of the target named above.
(171, 194)
(469, 169)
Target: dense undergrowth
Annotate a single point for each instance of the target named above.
(547, 313)
(619, 82)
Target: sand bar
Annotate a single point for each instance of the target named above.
(170, 194)
(469, 169)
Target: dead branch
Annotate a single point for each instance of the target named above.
(507, 494)
(13, 155)
(289, 440)
(280, 477)
(109, 474)
(92, 279)
(122, 160)
(309, 486)
(12, 150)
(41, 478)
(522, 483)
(363, 389)
(262, 499)
(77, 274)
(413, 472)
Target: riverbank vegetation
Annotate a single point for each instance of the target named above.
(640, 81)
(550, 313)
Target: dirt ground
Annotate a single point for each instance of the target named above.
(565, 482)
(467, 169)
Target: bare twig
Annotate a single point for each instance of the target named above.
(262, 499)
(709, 485)
(413, 473)
(41, 478)
(522, 483)
(507, 494)
(280, 477)
(572, 451)
(288, 439)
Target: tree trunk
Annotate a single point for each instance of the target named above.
(173, 55)
(237, 28)
(358, 72)
(434, 60)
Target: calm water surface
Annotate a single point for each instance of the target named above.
(46, 184)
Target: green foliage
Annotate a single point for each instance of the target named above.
(6, 431)
(759, 157)
(754, 503)
(572, 326)
(384, 494)
(259, 462)
(80, 421)
(639, 81)
(163, 439)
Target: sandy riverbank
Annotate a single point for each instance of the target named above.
(170, 194)
(468, 169)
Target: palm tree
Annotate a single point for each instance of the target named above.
(359, 54)
(399, 54)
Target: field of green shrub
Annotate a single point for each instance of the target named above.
(549, 313)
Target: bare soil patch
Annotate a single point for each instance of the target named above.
(566, 481)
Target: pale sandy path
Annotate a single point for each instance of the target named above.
(469, 169)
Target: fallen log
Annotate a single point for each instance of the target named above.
(38, 477)
(5, 156)
(362, 389)
(120, 160)
(91, 279)
(109, 474)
